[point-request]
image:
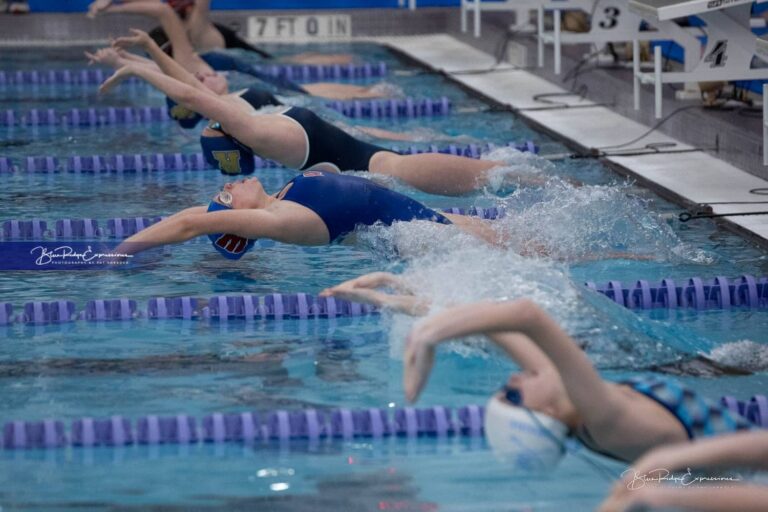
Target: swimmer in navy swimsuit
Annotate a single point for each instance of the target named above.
(315, 208)
(622, 420)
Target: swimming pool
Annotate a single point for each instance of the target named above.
(165, 367)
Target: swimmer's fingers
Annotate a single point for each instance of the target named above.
(91, 58)
(118, 76)
(361, 295)
(124, 42)
(419, 359)
(376, 280)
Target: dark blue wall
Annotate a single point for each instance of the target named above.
(81, 5)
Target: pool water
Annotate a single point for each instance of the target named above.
(167, 367)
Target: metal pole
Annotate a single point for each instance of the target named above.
(464, 15)
(477, 18)
(558, 46)
(636, 72)
(540, 32)
(765, 125)
(657, 79)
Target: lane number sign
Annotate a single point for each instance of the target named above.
(297, 28)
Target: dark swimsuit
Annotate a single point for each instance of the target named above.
(258, 98)
(331, 146)
(344, 202)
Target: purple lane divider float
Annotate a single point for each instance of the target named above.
(84, 117)
(393, 108)
(247, 427)
(95, 76)
(107, 116)
(315, 73)
(196, 162)
(274, 306)
(263, 427)
(693, 293)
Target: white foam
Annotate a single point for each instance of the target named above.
(743, 354)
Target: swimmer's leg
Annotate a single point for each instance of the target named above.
(336, 91)
(319, 59)
(479, 228)
(434, 173)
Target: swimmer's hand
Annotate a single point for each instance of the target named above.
(139, 38)
(351, 293)
(118, 76)
(364, 289)
(419, 357)
(106, 56)
(97, 7)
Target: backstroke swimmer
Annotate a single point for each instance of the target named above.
(299, 139)
(314, 208)
(558, 392)
(252, 98)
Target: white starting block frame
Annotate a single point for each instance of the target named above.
(521, 8)
(611, 21)
(731, 45)
(761, 48)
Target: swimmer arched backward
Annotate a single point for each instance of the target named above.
(299, 139)
(314, 208)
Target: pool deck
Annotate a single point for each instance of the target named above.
(689, 178)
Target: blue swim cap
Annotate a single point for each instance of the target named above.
(232, 247)
(185, 117)
(227, 154)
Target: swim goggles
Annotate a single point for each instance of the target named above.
(224, 198)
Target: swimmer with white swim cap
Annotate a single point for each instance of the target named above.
(558, 392)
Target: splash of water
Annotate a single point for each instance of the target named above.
(572, 223)
(743, 354)
(451, 268)
(387, 90)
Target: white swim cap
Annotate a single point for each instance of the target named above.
(530, 440)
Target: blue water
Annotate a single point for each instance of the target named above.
(167, 367)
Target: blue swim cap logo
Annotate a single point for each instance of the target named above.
(229, 161)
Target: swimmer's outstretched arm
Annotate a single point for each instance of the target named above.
(748, 449)
(588, 392)
(739, 450)
(194, 222)
(364, 289)
(117, 58)
(183, 51)
(235, 119)
(270, 136)
(715, 498)
(200, 16)
(163, 61)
